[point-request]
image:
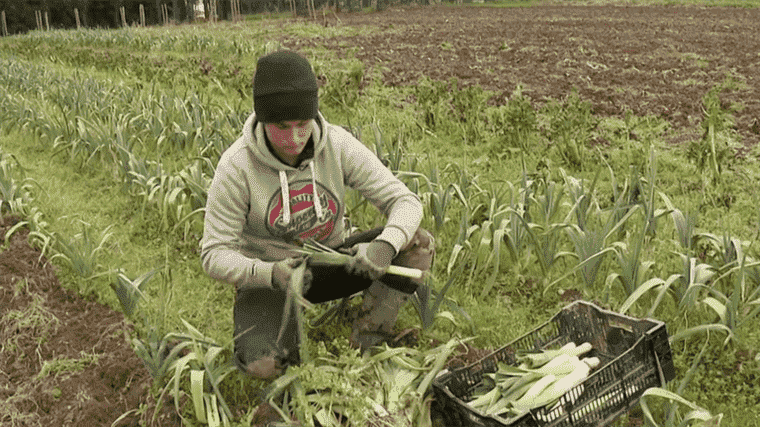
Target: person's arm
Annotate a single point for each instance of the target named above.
(364, 172)
(226, 210)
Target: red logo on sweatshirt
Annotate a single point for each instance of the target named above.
(304, 223)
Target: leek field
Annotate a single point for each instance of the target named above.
(602, 151)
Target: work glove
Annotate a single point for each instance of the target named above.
(371, 260)
(282, 272)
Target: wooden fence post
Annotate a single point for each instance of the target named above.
(142, 15)
(4, 24)
(76, 17)
(165, 14)
(123, 13)
(47, 22)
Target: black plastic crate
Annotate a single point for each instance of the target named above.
(634, 353)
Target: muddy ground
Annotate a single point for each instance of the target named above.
(651, 60)
(64, 360)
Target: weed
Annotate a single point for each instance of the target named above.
(343, 85)
(714, 151)
(515, 123)
(35, 320)
(61, 366)
(569, 126)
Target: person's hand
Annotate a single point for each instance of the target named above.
(371, 259)
(283, 271)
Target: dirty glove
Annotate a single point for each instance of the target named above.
(282, 272)
(371, 259)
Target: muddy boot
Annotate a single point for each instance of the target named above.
(377, 315)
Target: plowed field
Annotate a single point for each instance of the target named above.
(651, 60)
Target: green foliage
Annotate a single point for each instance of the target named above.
(568, 127)
(507, 227)
(515, 124)
(82, 252)
(15, 189)
(343, 85)
(129, 291)
(714, 152)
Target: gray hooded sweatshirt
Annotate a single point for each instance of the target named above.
(259, 207)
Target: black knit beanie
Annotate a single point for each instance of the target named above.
(284, 88)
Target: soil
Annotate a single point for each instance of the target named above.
(43, 326)
(651, 60)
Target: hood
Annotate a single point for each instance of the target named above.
(253, 135)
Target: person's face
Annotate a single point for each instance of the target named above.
(289, 137)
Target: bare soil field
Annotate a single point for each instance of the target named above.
(651, 60)
(64, 360)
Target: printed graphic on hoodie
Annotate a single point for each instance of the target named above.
(304, 223)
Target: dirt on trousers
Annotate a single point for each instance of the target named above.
(64, 360)
(651, 60)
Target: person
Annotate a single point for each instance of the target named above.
(284, 182)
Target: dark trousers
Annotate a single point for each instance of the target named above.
(258, 313)
(330, 283)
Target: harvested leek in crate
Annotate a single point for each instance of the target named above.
(540, 380)
(584, 367)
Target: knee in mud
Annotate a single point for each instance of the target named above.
(419, 252)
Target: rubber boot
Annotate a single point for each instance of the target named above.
(379, 310)
(377, 315)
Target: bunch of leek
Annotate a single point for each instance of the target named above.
(540, 380)
(320, 254)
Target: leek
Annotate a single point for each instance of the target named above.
(540, 380)
(317, 256)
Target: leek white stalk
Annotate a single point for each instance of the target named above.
(592, 362)
(339, 259)
(536, 390)
(536, 360)
(540, 380)
(557, 388)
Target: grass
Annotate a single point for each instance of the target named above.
(62, 366)
(67, 198)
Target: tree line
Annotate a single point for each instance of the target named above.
(22, 15)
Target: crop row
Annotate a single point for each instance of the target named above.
(551, 228)
(512, 227)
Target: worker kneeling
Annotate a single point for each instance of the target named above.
(283, 183)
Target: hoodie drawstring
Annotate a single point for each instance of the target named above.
(285, 192)
(317, 203)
